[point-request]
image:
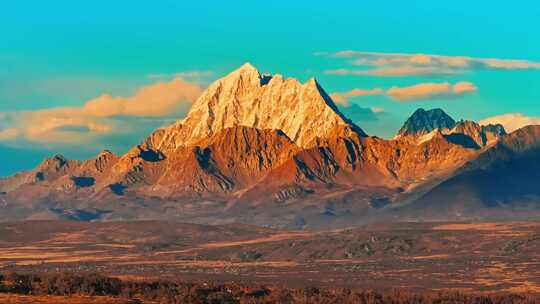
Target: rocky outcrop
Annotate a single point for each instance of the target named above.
(472, 133)
(303, 112)
(423, 122)
(424, 126)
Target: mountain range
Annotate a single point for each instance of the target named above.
(265, 150)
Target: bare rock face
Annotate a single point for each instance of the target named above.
(230, 160)
(48, 171)
(303, 112)
(423, 122)
(424, 126)
(480, 135)
(99, 164)
(55, 167)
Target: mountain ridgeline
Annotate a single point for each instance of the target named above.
(272, 151)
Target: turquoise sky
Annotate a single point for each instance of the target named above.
(62, 53)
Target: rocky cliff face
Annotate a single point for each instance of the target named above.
(303, 112)
(423, 122)
(425, 125)
(480, 135)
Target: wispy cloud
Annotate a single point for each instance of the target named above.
(425, 91)
(356, 112)
(101, 116)
(359, 114)
(188, 75)
(403, 64)
(377, 110)
(512, 121)
(421, 91)
(9, 133)
(343, 98)
(394, 71)
(154, 100)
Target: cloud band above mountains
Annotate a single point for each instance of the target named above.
(403, 64)
(511, 121)
(343, 98)
(101, 116)
(425, 91)
(418, 92)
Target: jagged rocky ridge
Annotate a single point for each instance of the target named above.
(303, 112)
(423, 122)
(424, 125)
(263, 150)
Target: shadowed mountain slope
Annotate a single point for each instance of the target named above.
(504, 181)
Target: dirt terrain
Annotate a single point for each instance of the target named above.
(19, 299)
(479, 257)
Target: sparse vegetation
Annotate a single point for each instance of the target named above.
(249, 256)
(69, 284)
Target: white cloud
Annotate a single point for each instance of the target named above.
(343, 98)
(9, 133)
(189, 75)
(424, 91)
(101, 116)
(421, 91)
(154, 100)
(511, 121)
(394, 71)
(403, 64)
(510, 64)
